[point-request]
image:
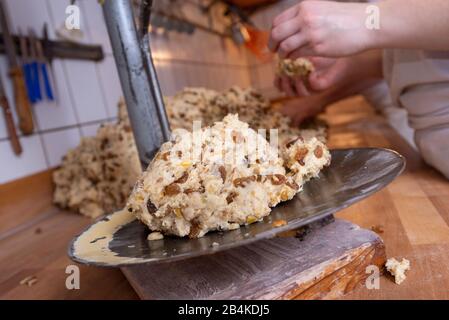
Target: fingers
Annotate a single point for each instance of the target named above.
(300, 87)
(286, 34)
(303, 51)
(287, 87)
(320, 81)
(292, 87)
(286, 15)
(325, 74)
(321, 63)
(278, 83)
(283, 32)
(291, 44)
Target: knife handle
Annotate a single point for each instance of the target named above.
(10, 126)
(47, 84)
(23, 106)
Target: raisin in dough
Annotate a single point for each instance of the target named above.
(184, 196)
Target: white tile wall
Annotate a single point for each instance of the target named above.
(88, 92)
(88, 130)
(50, 115)
(57, 143)
(84, 84)
(30, 161)
(110, 84)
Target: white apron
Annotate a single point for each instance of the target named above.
(419, 82)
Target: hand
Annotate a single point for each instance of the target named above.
(328, 73)
(301, 109)
(291, 87)
(320, 28)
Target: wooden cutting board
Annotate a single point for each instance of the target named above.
(316, 262)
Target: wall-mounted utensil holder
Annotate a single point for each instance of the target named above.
(171, 22)
(63, 49)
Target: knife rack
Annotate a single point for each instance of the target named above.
(62, 49)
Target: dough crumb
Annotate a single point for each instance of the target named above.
(398, 269)
(215, 244)
(279, 223)
(29, 281)
(295, 68)
(234, 226)
(155, 236)
(377, 229)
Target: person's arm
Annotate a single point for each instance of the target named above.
(334, 29)
(413, 24)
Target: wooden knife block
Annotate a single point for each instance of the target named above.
(325, 263)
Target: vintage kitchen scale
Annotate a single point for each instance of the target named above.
(312, 256)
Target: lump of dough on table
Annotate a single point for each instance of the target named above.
(226, 185)
(97, 176)
(191, 104)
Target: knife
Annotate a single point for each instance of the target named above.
(23, 41)
(15, 143)
(41, 66)
(34, 67)
(23, 106)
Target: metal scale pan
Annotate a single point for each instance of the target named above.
(354, 174)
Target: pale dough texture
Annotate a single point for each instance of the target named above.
(208, 106)
(300, 67)
(227, 185)
(96, 177)
(398, 269)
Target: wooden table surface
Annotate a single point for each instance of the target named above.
(413, 212)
